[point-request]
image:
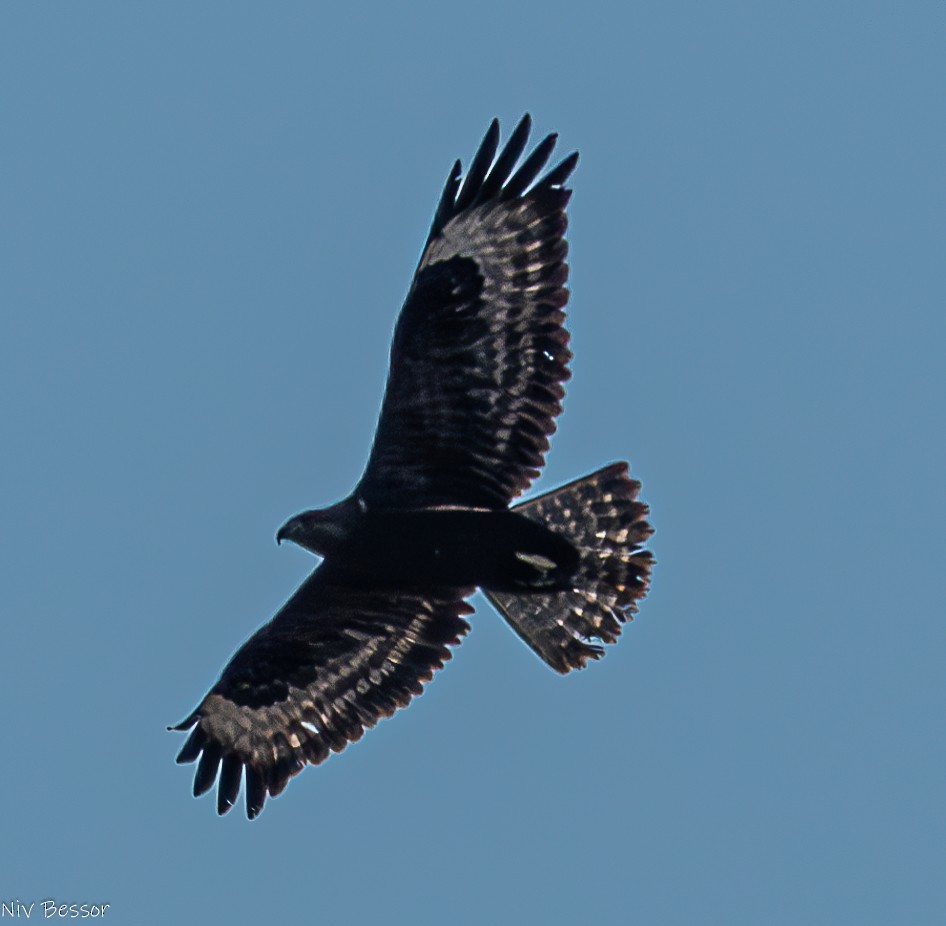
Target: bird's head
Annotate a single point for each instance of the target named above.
(322, 531)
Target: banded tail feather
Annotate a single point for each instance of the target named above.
(602, 517)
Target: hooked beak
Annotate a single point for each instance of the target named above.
(287, 530)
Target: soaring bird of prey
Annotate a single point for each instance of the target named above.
(478, 362)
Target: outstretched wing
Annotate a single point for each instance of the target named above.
(331, 663)
(480, 351)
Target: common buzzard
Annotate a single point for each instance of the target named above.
(479, 356)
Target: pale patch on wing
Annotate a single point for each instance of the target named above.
(537, 560)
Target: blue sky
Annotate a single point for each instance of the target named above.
(209, 214)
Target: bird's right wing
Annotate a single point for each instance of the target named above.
(332, 662)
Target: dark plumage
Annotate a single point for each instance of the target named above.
(478, 361)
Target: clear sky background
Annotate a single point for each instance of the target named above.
(209, 215)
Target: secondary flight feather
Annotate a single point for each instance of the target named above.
(477, 371)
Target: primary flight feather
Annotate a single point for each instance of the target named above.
(478, 361)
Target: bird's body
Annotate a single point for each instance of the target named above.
(421, 547)
(478, 362)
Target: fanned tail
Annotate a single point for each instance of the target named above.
(603, 519)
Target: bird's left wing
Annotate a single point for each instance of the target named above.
(480, 351)
(332, 662)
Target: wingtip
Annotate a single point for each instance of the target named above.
(524, 177)
(559, 175)
(185, 724)
(255, 796)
